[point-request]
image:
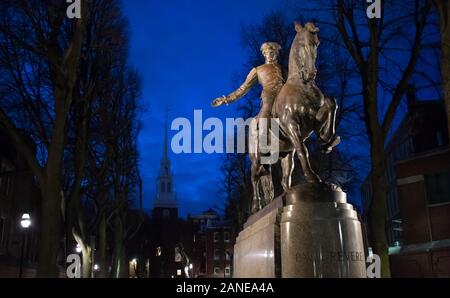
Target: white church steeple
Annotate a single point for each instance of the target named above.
(165, 196)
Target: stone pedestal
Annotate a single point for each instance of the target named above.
(257, 248)
(321, 235)
(311, 232)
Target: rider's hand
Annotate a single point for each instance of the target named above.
(219, 101)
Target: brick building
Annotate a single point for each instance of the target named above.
(213, 243)
(424, 128)
(424, 202)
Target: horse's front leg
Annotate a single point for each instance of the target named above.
(326, 118)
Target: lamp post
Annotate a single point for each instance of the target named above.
(191, 268)
(25, 223)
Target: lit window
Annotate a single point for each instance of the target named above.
(216, 236)
(226, 236)
(227, 271)
(216, 255)
(216, 270)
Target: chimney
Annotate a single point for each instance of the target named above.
(411, 96)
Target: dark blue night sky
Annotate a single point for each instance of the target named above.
(187, 53)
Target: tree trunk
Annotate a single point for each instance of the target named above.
(87, 261)
(377, 213)
(102, 246)
(120, 264)
(49, 230)
(443, 8)
(445, 69)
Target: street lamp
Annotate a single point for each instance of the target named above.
(191, 267)
(78, 248)
(25, 223)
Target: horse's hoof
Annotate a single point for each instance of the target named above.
(256, 206)
(328, 147)
(313, 179)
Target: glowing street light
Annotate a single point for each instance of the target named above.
(25, 222)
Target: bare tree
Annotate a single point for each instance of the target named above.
(443, 9)
(372, 44)
(40, 56)
(62, 81)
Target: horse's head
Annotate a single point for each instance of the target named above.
(306, 43)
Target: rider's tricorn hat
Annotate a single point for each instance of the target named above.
(270, 45)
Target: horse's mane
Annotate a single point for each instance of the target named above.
(294, 63)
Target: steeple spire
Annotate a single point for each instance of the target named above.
(166, 141)
(165, 197)
(165, 162)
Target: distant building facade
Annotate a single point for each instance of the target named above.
(424, 128)
(18, 195)
(213, 242)
(423, 183)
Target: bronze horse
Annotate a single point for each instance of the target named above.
(301, 109)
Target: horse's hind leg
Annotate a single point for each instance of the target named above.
(256, 171)
(294, 134)
(287, 167)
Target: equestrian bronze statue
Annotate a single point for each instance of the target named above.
(300, 107)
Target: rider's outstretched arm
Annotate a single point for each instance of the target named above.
(250, 81)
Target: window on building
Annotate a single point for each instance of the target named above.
(227, 271)
(226, 236)
(216, 270)
(227, 255)
(438, 188)
(169, 187)
(163, 187)
(216, 237)
(216, 255)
